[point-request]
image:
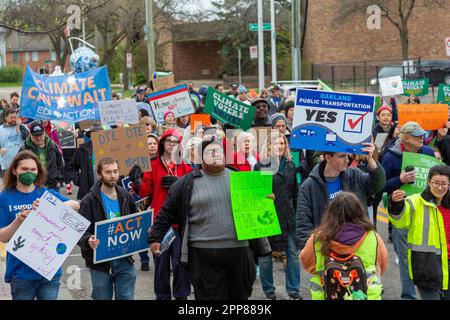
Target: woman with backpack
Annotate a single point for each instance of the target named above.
(427, 218)
(344, 254)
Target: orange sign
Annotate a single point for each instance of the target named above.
(429, 116)
(200, 119)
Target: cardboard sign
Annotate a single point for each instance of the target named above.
(254, 215)
(118, 112)
(200, 119)
(332, 121)
(65, 133)
(70, 98)
(122, 237)
(429, 116)
(128, 146)
(177, 100)
(229, 110)
(418, 87)
(45, 239)
(391, 86)
(444, 94)
(164, 83)
(422, 165)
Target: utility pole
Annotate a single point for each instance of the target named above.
(239, 65)
(260, 46)
(296, 39)
(273, 41)
(150, 39)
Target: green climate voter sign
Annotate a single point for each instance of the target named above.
(229, 110)
(254, 215)
(417, 87)
(444, 94)
(422, 164)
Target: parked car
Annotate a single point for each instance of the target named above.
(438, 71)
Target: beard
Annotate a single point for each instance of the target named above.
(110, 184)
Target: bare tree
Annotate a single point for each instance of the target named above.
(397, 12)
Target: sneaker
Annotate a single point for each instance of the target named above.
(396, 260)
(145, 266)
(295, 296)
(271, 296)
(257, 271)
(69, 188)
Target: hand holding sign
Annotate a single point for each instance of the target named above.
(93, 242)
(398, 195)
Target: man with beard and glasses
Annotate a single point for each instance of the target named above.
(105, 201)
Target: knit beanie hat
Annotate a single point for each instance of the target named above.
(384, 108)
(275, 117)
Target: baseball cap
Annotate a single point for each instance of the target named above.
(234, 85)
(412, 128)
(140, 90)
(37, 128)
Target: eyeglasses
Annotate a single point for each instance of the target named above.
(436, 185)
(173, 142)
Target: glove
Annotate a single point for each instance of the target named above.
(167, 181)
(135, 175)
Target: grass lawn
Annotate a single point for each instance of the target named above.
(10, 84)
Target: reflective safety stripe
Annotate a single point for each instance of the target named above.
(426, 226)
(424, 248)
(399, 216)
(316, 287)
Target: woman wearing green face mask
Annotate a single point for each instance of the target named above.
(23, 184)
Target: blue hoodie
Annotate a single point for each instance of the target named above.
(392, 164)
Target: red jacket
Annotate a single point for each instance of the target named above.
(241, 163)
(152, 181)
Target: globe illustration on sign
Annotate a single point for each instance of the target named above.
(394, 84)
(61, 248)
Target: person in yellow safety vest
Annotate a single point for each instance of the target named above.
(427, 218)
(345, 230)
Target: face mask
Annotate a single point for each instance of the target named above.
(27, 178)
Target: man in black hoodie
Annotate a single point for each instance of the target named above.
(107, 200)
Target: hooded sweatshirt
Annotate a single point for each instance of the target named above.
(152, 181)
(392, 164)
(347, 241)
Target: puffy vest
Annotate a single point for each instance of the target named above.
(368, 254)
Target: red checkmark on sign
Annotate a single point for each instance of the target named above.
(354, 124)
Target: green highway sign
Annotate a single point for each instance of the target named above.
(254, 26)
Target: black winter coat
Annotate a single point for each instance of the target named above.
(80, 169)
(91, 207)
(55, 162)
(285, 189)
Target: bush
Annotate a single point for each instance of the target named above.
(11, 74)
(139, 78)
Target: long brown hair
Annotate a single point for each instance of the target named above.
(345, 208)
(10, 179)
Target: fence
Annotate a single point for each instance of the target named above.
(363, 76)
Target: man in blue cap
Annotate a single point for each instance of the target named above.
(410, 140)
(140, 94)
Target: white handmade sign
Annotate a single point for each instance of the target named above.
(47, 236)
(118, 111)
(391, 86)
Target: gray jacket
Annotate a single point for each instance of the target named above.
(313, 196)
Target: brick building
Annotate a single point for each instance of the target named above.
(328, 41)
(196, 50)
(35, 51)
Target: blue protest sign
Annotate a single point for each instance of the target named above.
(332, 121)
(122, 237)
(69, 98)
(126, 183)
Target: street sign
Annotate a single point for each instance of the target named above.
(254, 52)
(447, 46)
(129, 60)
(254, 27)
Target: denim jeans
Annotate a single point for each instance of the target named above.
(35, 289)
(399, 238)
(121, 281)
(292, 270)
(429, 294)
(144, 257)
